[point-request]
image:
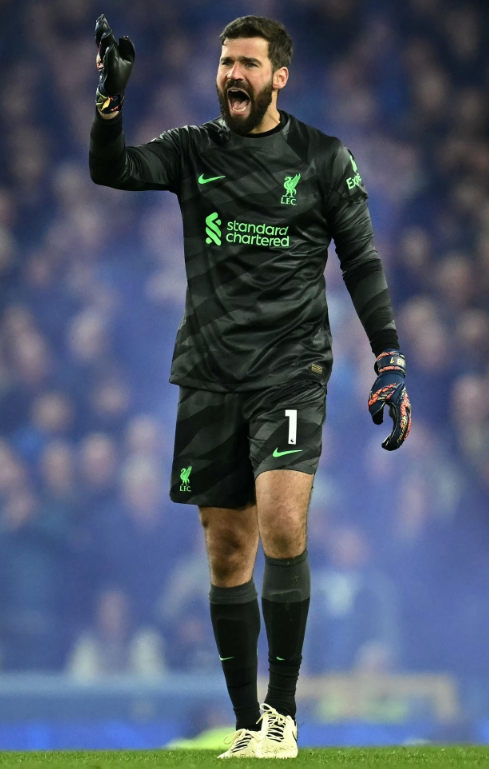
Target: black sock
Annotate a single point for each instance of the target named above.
(285, 603)
(236, 621)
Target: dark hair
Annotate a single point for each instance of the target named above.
(279, 40)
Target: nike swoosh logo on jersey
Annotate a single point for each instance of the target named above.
(212, 179)
(278, 453)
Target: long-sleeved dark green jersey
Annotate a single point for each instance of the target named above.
(259, 213)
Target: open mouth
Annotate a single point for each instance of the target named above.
(238, 101)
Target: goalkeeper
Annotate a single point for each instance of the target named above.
(262, 195)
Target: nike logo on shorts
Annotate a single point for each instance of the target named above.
(278, 453)
(212, 179)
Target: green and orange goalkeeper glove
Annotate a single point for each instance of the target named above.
(389, 389)
(114, 63)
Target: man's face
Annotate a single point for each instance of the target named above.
(245, 83)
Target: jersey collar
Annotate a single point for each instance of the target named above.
(257, 140)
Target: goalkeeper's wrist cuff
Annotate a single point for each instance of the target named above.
(107, 105)
(390, 360)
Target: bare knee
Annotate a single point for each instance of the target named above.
(280, 545)
(227, 560)
(283, 499)
(232, 540)
(283, 533)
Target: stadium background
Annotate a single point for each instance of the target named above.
(102, 578)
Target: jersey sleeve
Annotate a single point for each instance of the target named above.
(152, 166)
(351, 228)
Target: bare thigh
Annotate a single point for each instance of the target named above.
(282, 498)
(232, 541)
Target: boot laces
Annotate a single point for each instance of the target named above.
(243, 738)
(276, 723)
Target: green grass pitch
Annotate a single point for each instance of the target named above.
(361, 758)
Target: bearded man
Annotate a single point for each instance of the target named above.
(262, 195)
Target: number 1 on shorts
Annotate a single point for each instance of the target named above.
(292, 415)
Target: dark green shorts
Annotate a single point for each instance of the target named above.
(223, 441)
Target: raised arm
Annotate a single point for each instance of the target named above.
(147, 167)
(153, 166)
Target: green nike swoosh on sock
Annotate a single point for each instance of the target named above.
(223, 659)
(282, 659)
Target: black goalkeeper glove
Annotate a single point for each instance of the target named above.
(389, 389)
(114, 63)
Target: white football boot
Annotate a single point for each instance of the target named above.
(244, 744)
(278, 736)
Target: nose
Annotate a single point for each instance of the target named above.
(235, 73)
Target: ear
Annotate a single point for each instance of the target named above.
(280, 77)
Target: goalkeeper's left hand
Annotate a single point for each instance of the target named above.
(389, 389)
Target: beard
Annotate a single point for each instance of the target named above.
(259, 104)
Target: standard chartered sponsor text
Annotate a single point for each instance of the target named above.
(246, 232)
(257, 234)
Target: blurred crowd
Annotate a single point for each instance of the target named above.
(99, 572)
